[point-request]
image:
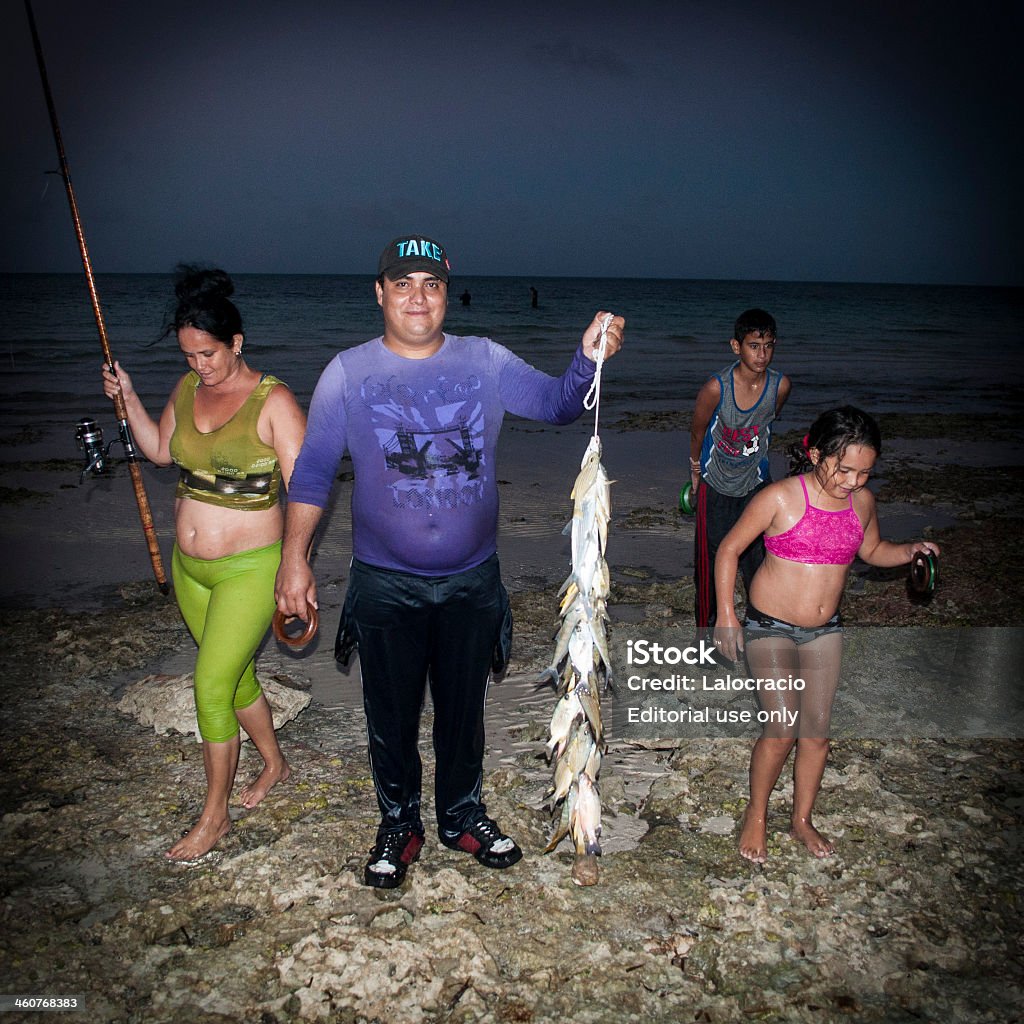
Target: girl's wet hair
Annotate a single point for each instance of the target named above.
(832, 433)
(204, 303)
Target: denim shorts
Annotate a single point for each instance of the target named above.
(758, 625)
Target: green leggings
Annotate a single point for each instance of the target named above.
(227, 604)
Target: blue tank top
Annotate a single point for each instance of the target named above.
(734, 456)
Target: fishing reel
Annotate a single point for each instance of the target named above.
(687, 499)
(89, 437)
(923, 577)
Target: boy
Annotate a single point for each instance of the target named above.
(729, 441)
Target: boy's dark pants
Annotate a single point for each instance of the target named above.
(716, 516)
(413, 629)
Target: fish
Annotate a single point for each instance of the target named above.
(581, 661)
(565, 822)
(568, 712)
(601, 646)
(562, 782)
(572, 761)
(562, 641)
(579, 749)
(591, 705)
(582, 649)
(585, 818)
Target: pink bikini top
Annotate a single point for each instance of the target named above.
(820, 537)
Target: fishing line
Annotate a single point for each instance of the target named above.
(593, 396)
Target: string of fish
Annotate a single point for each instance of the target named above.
(581, 666)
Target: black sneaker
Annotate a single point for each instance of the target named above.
(488, 844)
(390, 858)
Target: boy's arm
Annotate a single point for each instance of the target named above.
(785, 386)
(704, 408)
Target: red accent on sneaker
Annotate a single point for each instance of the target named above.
(412, 849)
(468, 843)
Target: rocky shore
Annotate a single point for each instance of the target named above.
(915, 918)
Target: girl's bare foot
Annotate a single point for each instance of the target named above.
(256, 790)
(754, 838)
(807, 834)
(202, 839)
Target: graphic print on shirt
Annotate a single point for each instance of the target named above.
(431, 440)
(741, 442)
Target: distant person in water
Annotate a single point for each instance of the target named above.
(533, 297)
(814, 524)
(234, 433)
(465, 298)
(420, 412)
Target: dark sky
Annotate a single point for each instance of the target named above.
(879, 141)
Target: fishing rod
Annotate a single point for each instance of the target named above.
(124, 430)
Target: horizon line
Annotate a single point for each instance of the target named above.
(535, 277)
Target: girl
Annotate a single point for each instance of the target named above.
(814, 525)
(234, 433)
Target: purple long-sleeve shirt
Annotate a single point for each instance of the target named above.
(422, 434)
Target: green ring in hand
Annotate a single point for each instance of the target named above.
(924, 572)
(686, 502)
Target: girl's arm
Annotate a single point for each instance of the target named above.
(757, 517)
(883, 553)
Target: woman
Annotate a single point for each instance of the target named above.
(235, 434)
(814, 525)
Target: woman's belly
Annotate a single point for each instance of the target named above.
(208, 531)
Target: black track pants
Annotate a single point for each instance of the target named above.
(717, 514)
(412, 630)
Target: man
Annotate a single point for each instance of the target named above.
(420, 412)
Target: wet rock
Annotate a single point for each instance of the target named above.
(668, 799)
(585, 869)
(721, 825)
(168, 705)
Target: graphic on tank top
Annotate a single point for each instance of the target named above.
(431, 440)
(734, 453)
(741, 442)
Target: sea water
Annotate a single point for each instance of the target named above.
(886, 348)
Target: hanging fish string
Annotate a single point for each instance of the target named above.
(581, 665)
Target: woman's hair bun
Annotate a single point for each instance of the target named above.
(201, 284)
(203, 302)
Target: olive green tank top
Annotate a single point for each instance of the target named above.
(230, 466)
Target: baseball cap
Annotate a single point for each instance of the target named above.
(409, 253)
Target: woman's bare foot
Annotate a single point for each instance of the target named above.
(815, 842)
(202, 839)
(754, 838)
(256, 790)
